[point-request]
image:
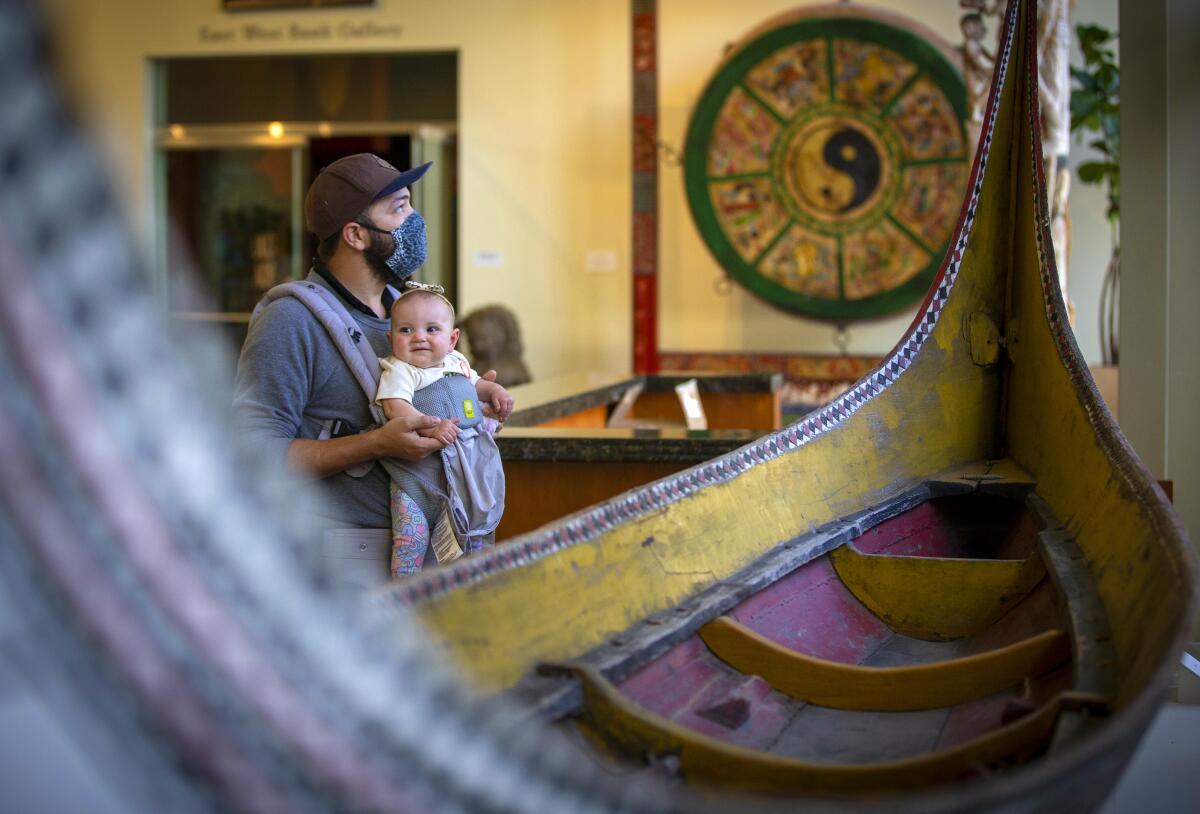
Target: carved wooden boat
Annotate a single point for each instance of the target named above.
(959, 570)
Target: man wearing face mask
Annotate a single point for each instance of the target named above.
(296, 398)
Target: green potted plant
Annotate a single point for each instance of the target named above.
(1096, 114)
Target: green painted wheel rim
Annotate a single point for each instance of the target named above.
(773, 208)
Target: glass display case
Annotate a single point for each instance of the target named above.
(231, 209)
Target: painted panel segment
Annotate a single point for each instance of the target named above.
(810, 611)
(708, 761)
(932, 597)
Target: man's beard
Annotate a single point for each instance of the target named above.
(377, 253)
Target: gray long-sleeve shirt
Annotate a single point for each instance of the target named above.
(290, 380)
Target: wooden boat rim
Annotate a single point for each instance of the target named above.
(629, 713)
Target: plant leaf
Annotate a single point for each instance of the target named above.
(1083, 104)
(1095, 172)
(1112, 128)
(1085, 79)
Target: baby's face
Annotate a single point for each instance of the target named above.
(423, 330)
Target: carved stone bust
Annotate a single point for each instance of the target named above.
(495, 344)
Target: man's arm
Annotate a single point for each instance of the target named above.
(273, 384)
(395, 439)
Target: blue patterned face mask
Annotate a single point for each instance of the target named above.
(409, 252)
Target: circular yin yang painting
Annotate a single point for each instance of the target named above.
(826, 163)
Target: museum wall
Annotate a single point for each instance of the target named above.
(543, 137)
(544, 152)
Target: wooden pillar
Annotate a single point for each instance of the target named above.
(1160, 244)
(645, 186)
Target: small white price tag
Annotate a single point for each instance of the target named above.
(601, 260)
(487, 258)
(693, 410)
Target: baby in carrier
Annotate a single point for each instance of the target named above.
(452, 500)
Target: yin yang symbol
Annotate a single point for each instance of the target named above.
(837, 168)
(850, 152)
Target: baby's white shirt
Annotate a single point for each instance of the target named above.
(399, 380)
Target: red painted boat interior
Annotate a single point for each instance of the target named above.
(810, 611)
(977, 526)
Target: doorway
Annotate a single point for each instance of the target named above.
(230, 188)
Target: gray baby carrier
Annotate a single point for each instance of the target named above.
(460, 491)
(470, 467)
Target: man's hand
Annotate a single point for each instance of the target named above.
(495, 400)
(501, 402)
(398, 438)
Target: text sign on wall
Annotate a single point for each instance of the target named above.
(263, 5)
(347, 30)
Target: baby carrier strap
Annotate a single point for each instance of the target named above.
(341, 327)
